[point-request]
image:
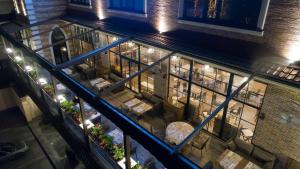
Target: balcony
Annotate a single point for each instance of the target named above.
(135, 104)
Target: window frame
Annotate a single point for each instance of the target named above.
(129, 12)
(258, 31)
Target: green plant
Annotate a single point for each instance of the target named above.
(68, 106)
(118, 152)
(33, 74)
(48, 88)
(106, 142)
(97, 130)
(137, 166)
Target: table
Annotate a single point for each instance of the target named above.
(83, 66)
(141, 109)
(95, 81)
(176, 132)
(102, 85)
(247, 134)
(122, 163)
(117, 135)
(231, 160)
(131, 103)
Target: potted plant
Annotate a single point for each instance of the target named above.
(138, 166)
(67, 106)
(48, 89)
(118, 152)
(106, 142)
(97, 131)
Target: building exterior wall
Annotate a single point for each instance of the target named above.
(281, 30)
(271, 133)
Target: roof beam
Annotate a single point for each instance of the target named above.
(211, 116)
(61, 41)
(89, 54)
(120, 83)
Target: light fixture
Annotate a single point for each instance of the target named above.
(206, 67)
(150, 50)
(245, 79)
(42, 81)
(64, 49)
(28, 68)
(174, 58)
(9, 50)
(114, 38)
(130, 44)
(61, 98)
(18, 59)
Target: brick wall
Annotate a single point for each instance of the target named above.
(274, 135)
(281, 32)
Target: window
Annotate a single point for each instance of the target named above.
(136, 6)
(233, 13)
(81, 2)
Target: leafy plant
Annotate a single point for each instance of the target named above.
(137, 166)
(118, 152)
(68, 106)
(97, 130)
(106, 142)
(48, 89)
(33, 74)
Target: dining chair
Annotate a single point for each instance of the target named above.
(200, 146)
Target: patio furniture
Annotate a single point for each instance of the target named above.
(156, 102)
(116, 78)
(200, 142)
(176, 132)
(246, 134)
(140, 109)
(131, 103)
(101, 86)
(231, 160)
(96, 81)
(254, 154)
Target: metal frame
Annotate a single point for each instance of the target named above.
(89, 54)
(120, 83)
(67, 39)
(211, 116)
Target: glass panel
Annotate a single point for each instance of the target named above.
(180, 67)
(177, 91)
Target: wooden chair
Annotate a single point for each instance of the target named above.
(200, 146)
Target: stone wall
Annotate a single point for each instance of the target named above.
(271, 133)
(281, 32)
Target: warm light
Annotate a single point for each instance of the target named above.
(206, 67)
(18, 58)
(130, 44)
(100, 9)
(245, 79)
(23, 8)
(61, 98)
(16, 7)
(174, 58)
(42, 81)
(150, 50)
(114, 38)
(162, 26)
(64, 49)
(28, 68)
(9, 50)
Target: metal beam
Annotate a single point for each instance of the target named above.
(47, 31)
(61, 41)
(120, 83)
(89, 54)
(211, 116)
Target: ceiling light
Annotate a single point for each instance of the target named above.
(9, 50)
(245, 79)
(206, 67)
(150, 50)
(28, 68)
(18, 58)
(130, 44)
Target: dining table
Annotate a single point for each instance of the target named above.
(231, 160)
(176, 132)
(141, 109)
(96, 81)
(132, 102)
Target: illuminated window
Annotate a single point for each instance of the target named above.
(233, 13)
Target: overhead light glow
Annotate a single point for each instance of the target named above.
(150, 50)
(9, 50)
(42, 81)
(28, 68)
(174, 58)
(114, 38)
(64, 49)
(18, 59)
(245, 79)
(61, 98)
(130, 44)
(206, 67)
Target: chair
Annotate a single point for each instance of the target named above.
(200, 146)
(208, 165)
